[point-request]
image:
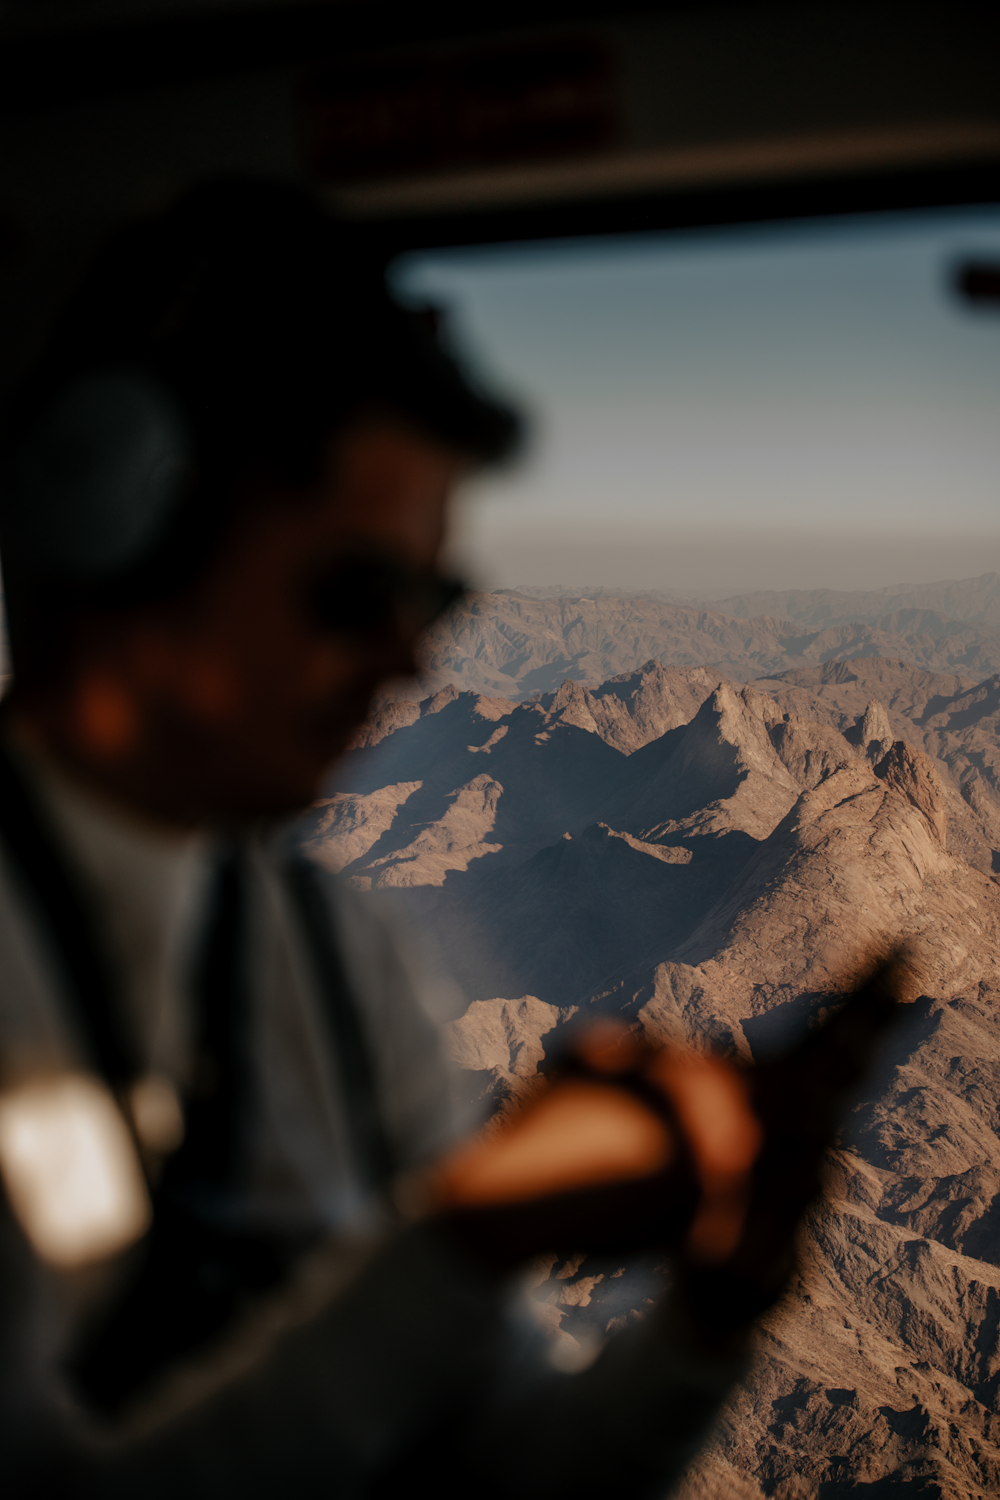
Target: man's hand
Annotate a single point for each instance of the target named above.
(627, 1147)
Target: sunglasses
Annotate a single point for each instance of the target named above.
(365, 597)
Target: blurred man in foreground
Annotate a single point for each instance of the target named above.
(224, 506)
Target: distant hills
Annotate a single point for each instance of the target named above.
(517, 644)
(708, 857)
(974, 601)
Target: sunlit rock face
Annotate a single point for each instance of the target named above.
(710, 859)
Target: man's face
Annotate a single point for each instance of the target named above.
(241, 695)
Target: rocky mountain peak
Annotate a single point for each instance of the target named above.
(634, 708)
(491, 709)
(912, 774)
(724, 759)
(570, 705)
(441, 699)
(872, 734)
(730, 728)
(502, 1039)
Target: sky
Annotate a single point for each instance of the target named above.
(792, 406)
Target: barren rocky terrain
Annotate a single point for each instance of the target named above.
(971, 600)
(710, 859)
(517, 644)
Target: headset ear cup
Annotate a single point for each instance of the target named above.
(97, 477)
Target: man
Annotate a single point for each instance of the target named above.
(224, 508)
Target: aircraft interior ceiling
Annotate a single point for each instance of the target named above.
(520, 121)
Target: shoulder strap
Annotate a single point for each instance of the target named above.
(61, 908)
(351, 1050)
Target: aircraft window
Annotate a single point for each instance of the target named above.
(804, 405)
(723, 718)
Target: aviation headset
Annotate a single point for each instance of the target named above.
(232, 326)
(98, 476)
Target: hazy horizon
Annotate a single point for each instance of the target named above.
(800, 405)
(707, 565)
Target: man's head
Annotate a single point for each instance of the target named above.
(225, 505)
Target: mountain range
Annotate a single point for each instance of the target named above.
(519, 643)
(974, 601)
(712, 859)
